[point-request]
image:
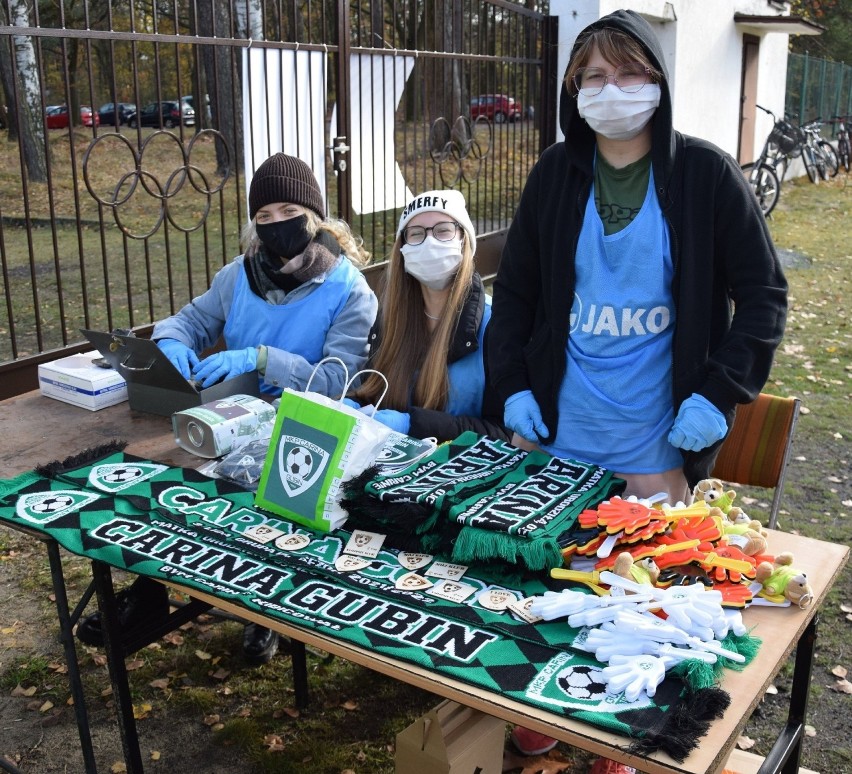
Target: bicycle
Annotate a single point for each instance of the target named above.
(785, 143)
(761, 174)
(844, 149)
(821, 151)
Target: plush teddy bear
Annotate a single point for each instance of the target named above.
(642, 571)
(741, 531)
(712, 491)
(782, 580)
(738, 516)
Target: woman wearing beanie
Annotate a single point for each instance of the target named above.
(429, 340)
(295, 297)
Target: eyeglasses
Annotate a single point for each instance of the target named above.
(444, 231)
(629, 78)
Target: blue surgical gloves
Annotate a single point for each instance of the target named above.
(522, 414)
(180, 356)
(399, 421)
(226, 365)
(395, 420)
(697, 425)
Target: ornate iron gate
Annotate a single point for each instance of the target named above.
(119, 216)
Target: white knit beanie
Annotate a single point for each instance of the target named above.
(449, 202)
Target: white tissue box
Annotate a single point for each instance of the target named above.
(77, 381)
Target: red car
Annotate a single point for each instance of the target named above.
(56, 117)
(495, 107)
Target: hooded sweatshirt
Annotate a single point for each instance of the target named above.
(729, 291)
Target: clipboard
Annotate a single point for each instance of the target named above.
(154, 384)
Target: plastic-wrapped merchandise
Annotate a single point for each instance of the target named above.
(244, 465)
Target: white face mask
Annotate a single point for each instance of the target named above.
(432, 262)
(617, 115)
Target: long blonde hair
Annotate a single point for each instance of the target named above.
(350, 245)
(413, 359)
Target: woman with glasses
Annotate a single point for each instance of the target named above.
(428, 339)
(639, 297)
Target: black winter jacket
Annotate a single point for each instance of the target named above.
(729, 290)
(430, 423)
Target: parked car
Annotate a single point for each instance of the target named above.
(115, 114)
(498, 108)
(189, 100)
(56, 116)
(166, 114)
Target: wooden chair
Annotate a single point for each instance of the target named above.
(757, 449)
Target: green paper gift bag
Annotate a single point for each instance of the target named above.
(317, 444)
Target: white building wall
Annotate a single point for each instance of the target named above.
(703, 48)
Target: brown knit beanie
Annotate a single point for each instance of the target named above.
(283, 178)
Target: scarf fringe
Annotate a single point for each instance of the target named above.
(11, 485)
(689, 721)
(85, 457)
(696, 674)
(480, 545)
(746, 645)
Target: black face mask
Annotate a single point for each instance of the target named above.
(285, 238)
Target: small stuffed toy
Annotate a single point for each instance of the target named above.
(713, 492)
(644, 571)
(782, 580)
(746, 534)
(737, 515)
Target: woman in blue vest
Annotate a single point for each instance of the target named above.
(295, 297)
(429, 339)
(639, 296)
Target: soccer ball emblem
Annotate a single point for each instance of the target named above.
(583, 682)
(122, 475)
(300, 462)
(52, 503)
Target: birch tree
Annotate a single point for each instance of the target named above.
(30, 119)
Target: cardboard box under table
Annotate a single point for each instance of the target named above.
(78, 381)
(451, 739)
(153, 383)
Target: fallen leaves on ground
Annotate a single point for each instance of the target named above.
(18, 690)
(744, 743)
(552, 763)
(839, 671)
(274, 743)
(140, 711)
(350, 705)
(841, 686)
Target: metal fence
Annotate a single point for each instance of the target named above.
(119, 216)
(817, 88)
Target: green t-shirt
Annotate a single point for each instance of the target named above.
(619, 193)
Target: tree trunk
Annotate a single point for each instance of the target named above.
(10, 118)
(223, 76)
(28, 97)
